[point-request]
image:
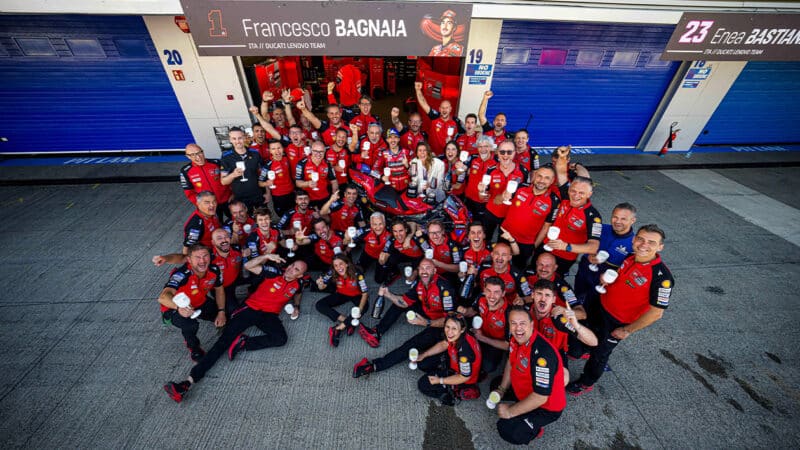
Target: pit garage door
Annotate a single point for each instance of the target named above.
(76, 83)
(588, 85)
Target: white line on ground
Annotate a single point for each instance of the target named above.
(752, 206)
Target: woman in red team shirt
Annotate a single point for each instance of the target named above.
(350, 287)
(463, 363)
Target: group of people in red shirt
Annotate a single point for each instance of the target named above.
(496, 302)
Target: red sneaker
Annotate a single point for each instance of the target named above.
(369, 335)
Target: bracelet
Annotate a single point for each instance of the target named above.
(512, 242)
(429, 323)
(441, 381)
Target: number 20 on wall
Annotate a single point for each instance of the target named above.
(697, 31)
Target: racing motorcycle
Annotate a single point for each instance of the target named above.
(377, 196)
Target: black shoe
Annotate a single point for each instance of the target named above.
(177, 390)
(447, 399)
(333, 336)
(197, 353)
(350, 329)
(363, 367)
(236, 346)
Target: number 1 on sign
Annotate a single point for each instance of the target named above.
(475, 56)
(215, 18)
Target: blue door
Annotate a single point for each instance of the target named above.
(762, 107)
(587, 85)
(76, 83)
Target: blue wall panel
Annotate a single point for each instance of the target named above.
(68, 102)
(762, 107)
(582, 105)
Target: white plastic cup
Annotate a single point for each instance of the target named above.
(307, 150)
(195, 314)
(601, 256)
(349, 140)
(289, 308)
(367, 145)
(240, 165)
(271, 177)
(486, 180)
(352, 232)
(463, 267)
(181, 299)
(387, 172)
(342, 163)
(247, 228)
(493, 400)
(412, 365)
(477, 323)
(552, 234)
(411, 315)
(314, 178)
(297, 225)
(609, 276)
(337, 250)
(451, 131)
(463, 156)
(408, 271)
(511, 187)
(314, 135)
(290, 246)
(429, 253)
(413, 354)
(355, 313)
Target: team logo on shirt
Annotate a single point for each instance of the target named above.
(541, 362)
(465, 366)
(666, 284)
(524, 362)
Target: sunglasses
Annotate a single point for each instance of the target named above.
(506, 152)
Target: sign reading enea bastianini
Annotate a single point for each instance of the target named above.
(252, 28)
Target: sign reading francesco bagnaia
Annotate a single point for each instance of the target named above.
(297, 28)
(735, 37)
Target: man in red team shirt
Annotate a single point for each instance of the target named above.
(198, 228)
(411, 135)
(261, 310)
(535, 374)
(580, 225)
(526, 157)
(296, 149)
(326, 128)
(636, 300)
(374, 240)
(365, 152)
(204, 175)
(195, 279)
(469, 139)
(477, 166)
(281, 188)
(533, 209)
(238, 225)
(364, 117)
(496, 193)
(497, 129)
(343, 213)
(338, 157)
(492, 308)
(443, 127)
(318, 191)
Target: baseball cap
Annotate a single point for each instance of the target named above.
(392, 132)
(449, 14)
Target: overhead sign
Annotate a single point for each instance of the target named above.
(735, 37)
(341, 28)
